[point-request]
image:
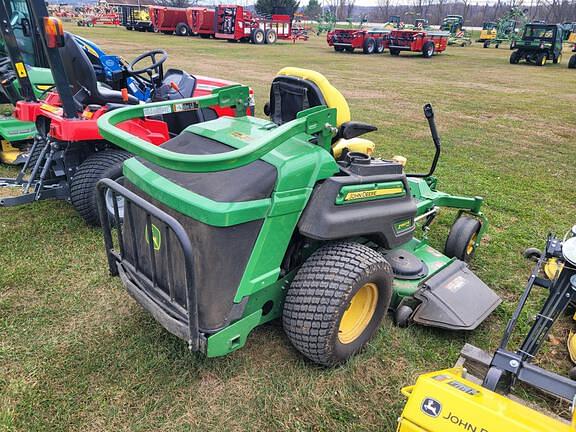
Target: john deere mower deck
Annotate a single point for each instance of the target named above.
(238, 221)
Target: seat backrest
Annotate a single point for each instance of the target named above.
(82, 77)
(78, 67)
(296, 89)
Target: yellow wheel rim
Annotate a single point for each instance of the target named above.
(543, 61)
(359, 313)
(471, 243)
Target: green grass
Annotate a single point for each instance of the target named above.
(77, 353)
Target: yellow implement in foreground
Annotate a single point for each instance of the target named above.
(445, 401)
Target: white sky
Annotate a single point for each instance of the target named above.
(359, 2)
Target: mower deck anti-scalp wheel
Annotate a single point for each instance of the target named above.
(349, 49)
(486, 44)
(103, 164)
(461, 241)
(336, 302)
(572, 62)
(394, 51)
(369, 46)
(338, 48)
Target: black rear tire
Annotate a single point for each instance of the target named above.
(461, 239)
(257, 37)
(322, 292)
(182, 29)
(572, 62)
(103, 164)
(514, 57)
(369, 46)
(338, 48)
(380, 46)
(270, 37)
(428, 49)
(541, 59)
(486, 44)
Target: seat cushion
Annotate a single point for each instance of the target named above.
(246, 183)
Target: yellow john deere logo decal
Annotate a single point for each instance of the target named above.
(372, 193)
(156, 237)
(21, 70)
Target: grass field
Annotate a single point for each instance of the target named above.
(77, 353)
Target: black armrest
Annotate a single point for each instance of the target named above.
(354, 129)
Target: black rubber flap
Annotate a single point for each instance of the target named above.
(406, 265)
(455, 298)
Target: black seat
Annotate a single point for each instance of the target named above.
(82, 77)
(290, 95)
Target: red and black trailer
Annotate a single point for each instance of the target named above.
(369, 41)
(169, 20)
(235, 23)
(424, 42)
(201, 22)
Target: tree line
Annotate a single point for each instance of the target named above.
(474, 13)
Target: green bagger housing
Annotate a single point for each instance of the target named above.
(240, 220)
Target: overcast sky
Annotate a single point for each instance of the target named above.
(358, 2)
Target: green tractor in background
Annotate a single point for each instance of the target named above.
(241, 220)
(326, 23)
(454, 24)
(16, 136)
(540, 43)
(508, 27)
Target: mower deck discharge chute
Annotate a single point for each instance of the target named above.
(241, 220)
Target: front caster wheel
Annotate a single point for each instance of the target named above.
(461, 241)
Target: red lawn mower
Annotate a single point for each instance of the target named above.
(69, 156)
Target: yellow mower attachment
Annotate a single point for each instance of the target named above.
(445, 401)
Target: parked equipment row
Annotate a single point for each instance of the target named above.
(376, 41)
(231, 22)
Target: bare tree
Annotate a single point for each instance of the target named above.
(350, 7)
(383, 10)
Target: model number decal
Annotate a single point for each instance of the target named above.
(372, 193)
(158, 110)
(190, 106)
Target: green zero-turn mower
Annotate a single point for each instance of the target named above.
(241, 220)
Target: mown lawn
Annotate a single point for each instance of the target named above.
(77, 353)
